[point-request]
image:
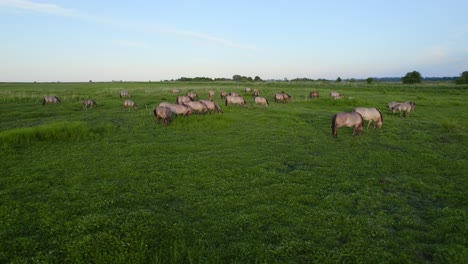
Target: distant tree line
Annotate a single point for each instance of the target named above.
(409, 78)
(235, 78)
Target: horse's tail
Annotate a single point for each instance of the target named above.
(362, 121)
(333, 124)
(43, 101)
(381, 116)
(268, 104)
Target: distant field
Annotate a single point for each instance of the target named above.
(250, 185)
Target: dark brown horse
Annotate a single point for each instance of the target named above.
(349, 120)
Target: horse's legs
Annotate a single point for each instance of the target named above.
(370, 121)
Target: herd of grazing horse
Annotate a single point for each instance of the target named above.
(187, 104)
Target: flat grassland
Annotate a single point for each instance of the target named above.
(250, 185)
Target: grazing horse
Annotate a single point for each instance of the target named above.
(175, 90)
(392, 104)
(223, 94)
(261, 100)
(90, 103)
(50, 100)
(198, 106)
(403, 107)
(129, 103)
(164, 113)
(347, 119)
(178, 109)
(314, 94)
(125, 94)
(248, 90)
(182, 99)
(211, 95)
(212, 106)
(282, 97)
(238, 100)
(370, 114)
(336, 95)
(233, 94)
(192, 95)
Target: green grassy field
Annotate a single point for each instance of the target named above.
(250, 185)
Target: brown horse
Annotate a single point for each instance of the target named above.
(238, 100)
(223, 94)
(255, 92)
(233, 94)
(392, 104)
(261, 101)
(125, 94)
(193, 95)
(175, 90)
(370, 114)
(50, 100)
(211, 95)
(283, 97)
(347, 119)
(212, 106)
(403, 107)
(178, 109)
(182, 99)
(198, 106)
(164, 113)
(129, 103)
(90, 103)
(314, 94)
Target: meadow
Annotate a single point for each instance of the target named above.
(249, 185)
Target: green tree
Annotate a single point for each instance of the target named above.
(338, 80)
(370, 80)
(463, 79)
(412, 77)
(258, 79)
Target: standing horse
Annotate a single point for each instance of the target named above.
(125, 94)
(239, 100)
(212, 106)
(90, 103)
(347, 119)
(261, 100)
(129, 103)
(175, 90)
(403, 107)
(164, 113)
(211, 95)
(282, 97)
(178, 109)
(223, 94)
(370, 114)
(255, 93)
(50, 100)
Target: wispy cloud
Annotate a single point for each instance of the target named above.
(37, 7)
(53, 9)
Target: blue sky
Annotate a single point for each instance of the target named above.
(70, 40)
